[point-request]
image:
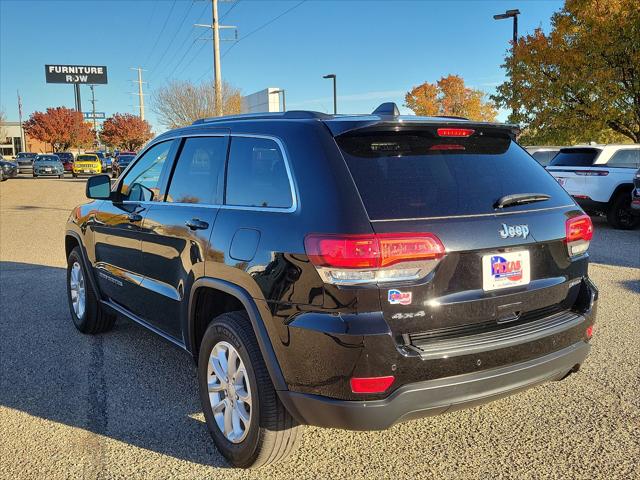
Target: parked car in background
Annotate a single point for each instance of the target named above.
(8, 170)
(543, 155)
(635, 194)
(340, 271)
(87, 164)
(120, 162)
(25, 162)
(105, 161)
(67, 160)
(600, 179)
(48, 165)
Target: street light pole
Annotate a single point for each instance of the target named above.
(335, 96)
(501, 16)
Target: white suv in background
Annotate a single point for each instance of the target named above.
(600, 179)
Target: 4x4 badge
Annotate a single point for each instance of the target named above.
(510, 231)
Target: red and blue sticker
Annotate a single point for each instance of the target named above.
(396, 297)
(507, 269)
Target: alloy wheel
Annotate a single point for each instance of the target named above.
(229, 392)
(77, 289)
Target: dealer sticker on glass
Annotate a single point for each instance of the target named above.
(504, 270)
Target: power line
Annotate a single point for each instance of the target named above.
(161, 32)
(229, 11)
(184, 17)
(264, 25)
(180, 48)
(187, 51)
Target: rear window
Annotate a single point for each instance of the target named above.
(87, 158)
(575, 157)
(416, 174)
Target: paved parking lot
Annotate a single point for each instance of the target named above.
(125, 405)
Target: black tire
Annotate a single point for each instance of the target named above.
(74, 175)
(35, 176)
(61, 176)
(273, 434)
(619, 215)
(95, 319)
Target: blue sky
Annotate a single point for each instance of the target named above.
(378, 49)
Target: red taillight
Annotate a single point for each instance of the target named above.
(455, 132)
(579, 228)
(371, 258)
(372, 251)
(371, 384)
(579, 232)
(589, 331)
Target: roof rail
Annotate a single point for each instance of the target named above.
(289, 115)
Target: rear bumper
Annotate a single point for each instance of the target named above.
(434, 397)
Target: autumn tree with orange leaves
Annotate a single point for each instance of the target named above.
(580, 81)
(450, 96)
(125, 131)
(61, 127)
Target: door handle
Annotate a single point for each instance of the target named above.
(134, 217)
(196, 224)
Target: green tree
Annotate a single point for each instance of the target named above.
(581, 81)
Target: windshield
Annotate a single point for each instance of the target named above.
(65, 156)
(575, 157)
(416, 174)
(47, 158)
(125, 158)
(26, 155)
(87, 158)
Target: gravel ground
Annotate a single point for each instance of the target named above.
(124, 404)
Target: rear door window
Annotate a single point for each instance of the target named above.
(257, 174)
(575, 157)
(415, 174)
(628, 158)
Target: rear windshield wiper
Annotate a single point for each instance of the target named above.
(520, 199)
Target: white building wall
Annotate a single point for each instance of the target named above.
(263, 101)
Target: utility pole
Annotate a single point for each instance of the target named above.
(23, 145)
(93, 111)
(140, 93)
(217, 68)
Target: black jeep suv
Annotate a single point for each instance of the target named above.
(339, 271)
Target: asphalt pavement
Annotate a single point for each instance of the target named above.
(125, 404)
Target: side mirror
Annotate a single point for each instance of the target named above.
(99, 187)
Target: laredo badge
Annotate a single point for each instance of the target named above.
(396, 297)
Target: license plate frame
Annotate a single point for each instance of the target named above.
(502, 270)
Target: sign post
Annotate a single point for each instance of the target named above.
(76, 74)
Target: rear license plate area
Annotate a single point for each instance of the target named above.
(505, 270)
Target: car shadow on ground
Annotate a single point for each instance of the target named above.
(127, 384)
